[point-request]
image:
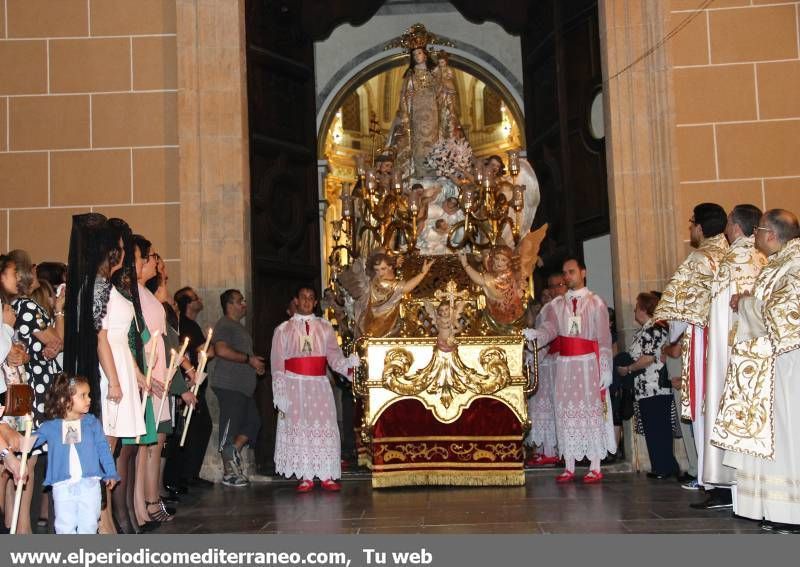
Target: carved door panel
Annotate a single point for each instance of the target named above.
(285, 234)
(561, 76)
(280, 37)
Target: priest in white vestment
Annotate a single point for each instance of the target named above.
(758, 423)
(578, 324)
(686, 305)
(541, 406)
(307, 443)
(737, 273)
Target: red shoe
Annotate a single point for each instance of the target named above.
(331, 485)
(541, 461)
(592, 477)
(565, 477)
(304, 486)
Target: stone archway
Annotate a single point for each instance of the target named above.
(372, 61)
(214, 168)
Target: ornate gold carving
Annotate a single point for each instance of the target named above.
(446, 374)
(395, 369)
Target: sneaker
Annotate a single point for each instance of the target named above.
(714, 501)
(691, 485)
(237, 462)
(234, 479)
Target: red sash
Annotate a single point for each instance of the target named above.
(692, 378)
(307, 365)
(576, 346)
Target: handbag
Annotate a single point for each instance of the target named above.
(19, 400)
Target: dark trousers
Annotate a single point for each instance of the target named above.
(348, 432)
(657, 422)
(184, 464)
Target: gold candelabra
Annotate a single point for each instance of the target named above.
(380, 211)
(487, 208)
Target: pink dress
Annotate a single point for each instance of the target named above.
(126, 418)
(307, 438)
(156, 321)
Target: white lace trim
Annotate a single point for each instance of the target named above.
(581, 431)
(309, 451)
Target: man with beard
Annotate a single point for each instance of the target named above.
(578, 323)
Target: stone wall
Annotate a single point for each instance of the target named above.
(736, 70)
(88, 121)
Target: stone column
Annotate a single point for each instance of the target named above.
(214, 172)
(212, 130)
(642, 167)
(642, 164)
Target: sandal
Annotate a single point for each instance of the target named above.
(161, 515)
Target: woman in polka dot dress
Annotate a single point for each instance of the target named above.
(35, 330)
(42, 344)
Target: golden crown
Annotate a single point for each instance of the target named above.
(416, 37)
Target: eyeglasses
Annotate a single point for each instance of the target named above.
(764, 228)
(692, 221)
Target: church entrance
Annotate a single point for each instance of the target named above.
(557, 71)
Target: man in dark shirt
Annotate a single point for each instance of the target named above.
(184, 464)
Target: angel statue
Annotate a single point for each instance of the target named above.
(504, 280)
(377, 293)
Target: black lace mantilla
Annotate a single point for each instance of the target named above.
(102, 292)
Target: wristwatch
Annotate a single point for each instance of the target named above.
(4, 452)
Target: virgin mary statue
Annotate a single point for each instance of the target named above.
(424, 113)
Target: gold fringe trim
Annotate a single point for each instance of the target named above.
(448, 478)
(448, 465)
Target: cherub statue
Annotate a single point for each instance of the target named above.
(377, 293)
(448, 323)
(504, 280)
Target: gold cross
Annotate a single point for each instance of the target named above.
(451, 293)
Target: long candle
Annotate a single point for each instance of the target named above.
(170, 373)
(208, 339)
(22, 470)
(151, 362)
(204, 352)
(201, 366)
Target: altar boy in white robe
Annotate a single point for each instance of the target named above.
(307, 443)
(577, 322)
